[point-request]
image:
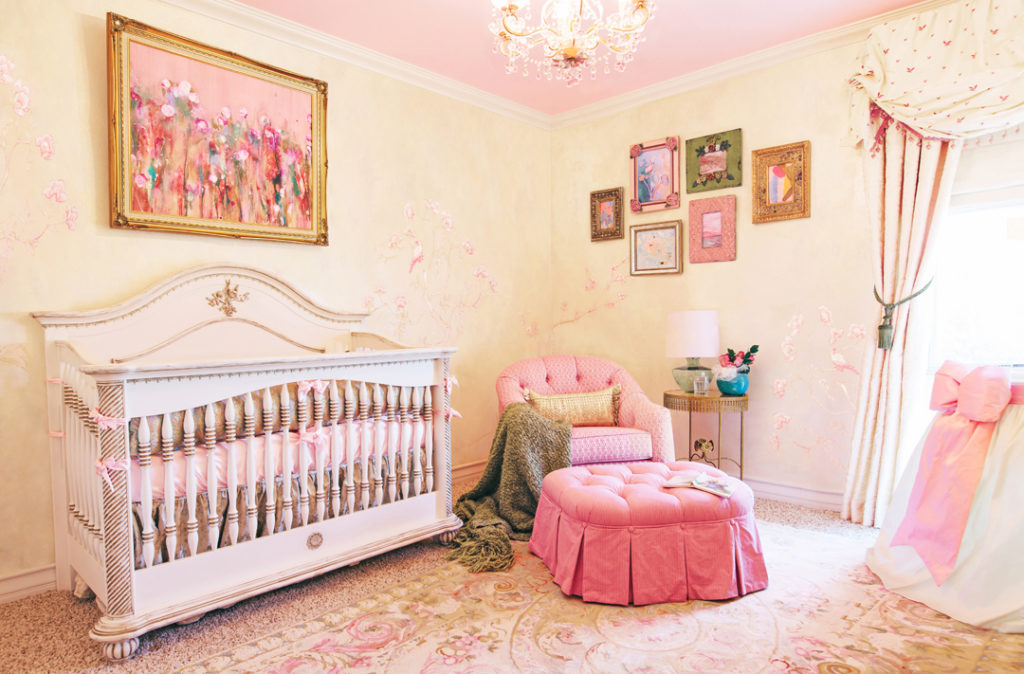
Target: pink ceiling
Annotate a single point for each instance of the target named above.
(450, 38)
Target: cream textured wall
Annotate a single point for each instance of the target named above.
(400, 159)
(801, 289)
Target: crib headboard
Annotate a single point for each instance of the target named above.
(209, 313)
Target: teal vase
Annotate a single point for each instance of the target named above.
(734, 387)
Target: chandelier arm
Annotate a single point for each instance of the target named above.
(507, 29)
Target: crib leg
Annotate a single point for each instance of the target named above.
(120, 650)
(446, 537)
(82, 591)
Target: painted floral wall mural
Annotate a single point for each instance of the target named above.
(821, 380)
(34, 200)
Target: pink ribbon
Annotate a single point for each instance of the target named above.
(451, 412)
(105, 422)
(54, 380)
(55, 434)
(317, 438)
(104, 467)
(448, 382)
(316, 384)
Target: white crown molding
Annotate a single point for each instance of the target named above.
(812, 44)
(296, 34)
(26, 583)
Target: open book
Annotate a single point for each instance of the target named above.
(704, 482)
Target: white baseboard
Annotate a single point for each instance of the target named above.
(811, 498)
(25, 583)
(467, 472)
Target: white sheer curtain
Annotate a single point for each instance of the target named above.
(924, 83)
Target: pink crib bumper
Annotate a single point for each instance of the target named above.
(613, 534)
(952, 461)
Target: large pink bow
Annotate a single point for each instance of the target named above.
(104, 422)
(104, 468)
(952, 460)
(317, 385)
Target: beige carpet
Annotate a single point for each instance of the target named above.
(867, 628)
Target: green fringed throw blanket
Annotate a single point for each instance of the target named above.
(503, 503)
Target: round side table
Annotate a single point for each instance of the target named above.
(713, 403)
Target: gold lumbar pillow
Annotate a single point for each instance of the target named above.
(599, 408)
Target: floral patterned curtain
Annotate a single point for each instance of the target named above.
(924, 83)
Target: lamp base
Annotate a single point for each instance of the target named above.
(684, 376)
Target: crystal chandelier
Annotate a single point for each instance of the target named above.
(570, 33)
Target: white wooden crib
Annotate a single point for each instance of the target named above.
(225, 375)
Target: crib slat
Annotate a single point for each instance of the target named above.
(417, 439)
(286, 459)
(378, 445)
(336, 449)
(212, 479)
(320, 458)
(269, 467)
(249, 429)
(350, 446)
(230, 429)
(406, 439)
(170, 523)
(365, 444)
(188, 428)
(302, 402)
(146, 492)
(428, 440)
(392, 439)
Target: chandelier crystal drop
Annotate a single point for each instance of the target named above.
(570, 34)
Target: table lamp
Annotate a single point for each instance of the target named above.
(691, 335)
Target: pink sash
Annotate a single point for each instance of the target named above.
(952, 462)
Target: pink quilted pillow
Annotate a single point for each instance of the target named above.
(984, 393)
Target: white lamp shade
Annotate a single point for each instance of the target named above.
(692, 334)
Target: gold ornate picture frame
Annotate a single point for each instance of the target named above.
(606, 214)
(782, 182)
(204, 141)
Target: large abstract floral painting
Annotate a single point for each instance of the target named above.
(209, 142)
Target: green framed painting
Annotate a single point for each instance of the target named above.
(714, 162)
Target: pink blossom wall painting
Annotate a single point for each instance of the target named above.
(606, 214)
(713, 229)
(655, 175)
(714, 162)
(655, 248)
(204, 141)
(782, 182)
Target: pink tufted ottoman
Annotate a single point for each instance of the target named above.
(613, 534)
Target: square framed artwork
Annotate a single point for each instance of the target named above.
(655, 175)
(606, 214)
(714, 162)
(655, 248)
(713, 229)
(782, 182)
(205, 141)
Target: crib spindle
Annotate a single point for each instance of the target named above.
(188, 427)
(417, 440)
(288, 466)
(170, 520)
(230, 428)
(249, 429)
(269, 468)
(428, 439)
(302, 403)
(337, 449)
(319, 457)
(392, 440)
(406, 439)
(378, 445)
(146, 492)
(350, 446)
(212, 479)
(365, 443)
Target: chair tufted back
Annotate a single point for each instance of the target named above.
(566, 374)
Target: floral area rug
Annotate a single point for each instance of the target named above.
(823, 612)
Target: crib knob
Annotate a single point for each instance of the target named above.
(314, 541)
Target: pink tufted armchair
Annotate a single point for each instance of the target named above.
(644, 432)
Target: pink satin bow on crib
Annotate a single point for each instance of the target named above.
(104, 468)
(952, 462)
(449, 382)
(316, 384)
(317, 438)
(105, 422)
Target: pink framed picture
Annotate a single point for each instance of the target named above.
(713, 229)
(655, 175)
